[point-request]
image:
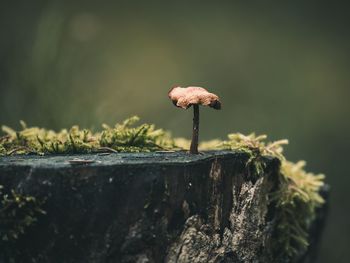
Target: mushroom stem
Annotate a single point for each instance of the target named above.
(195, 132)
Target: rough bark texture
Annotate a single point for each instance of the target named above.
(162, 207)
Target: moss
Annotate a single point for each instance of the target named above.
(123, 137)
(2, 150)
(296, 201)
(296, 198)
(17, 213)
(256, 147)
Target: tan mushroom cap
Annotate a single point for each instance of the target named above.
(186, 97)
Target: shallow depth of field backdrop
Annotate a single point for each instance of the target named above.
(281, 69)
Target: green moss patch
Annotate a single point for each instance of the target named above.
(17, 213)
(123, 137)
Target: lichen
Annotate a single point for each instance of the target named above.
(296, 198)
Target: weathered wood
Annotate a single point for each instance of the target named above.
(149, 207)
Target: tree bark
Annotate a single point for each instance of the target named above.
(160, 207)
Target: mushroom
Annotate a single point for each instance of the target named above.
(185, 98)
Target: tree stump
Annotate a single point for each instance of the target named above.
(146, 207)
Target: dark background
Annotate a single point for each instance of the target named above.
(280, 69)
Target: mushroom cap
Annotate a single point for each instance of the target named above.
(186, 97)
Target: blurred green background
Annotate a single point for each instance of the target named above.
(280, 69)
